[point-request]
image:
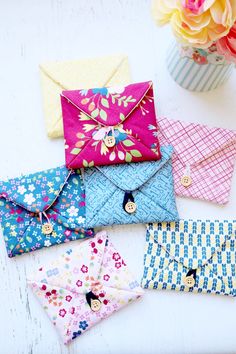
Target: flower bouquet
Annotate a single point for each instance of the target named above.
(204, 54)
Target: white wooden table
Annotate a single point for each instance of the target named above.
(37, 31)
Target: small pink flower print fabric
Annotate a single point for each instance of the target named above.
(88, 283)
(115, 125)
(203, 159)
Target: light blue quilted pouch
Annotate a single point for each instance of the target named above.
(42, 209)
(131, 193)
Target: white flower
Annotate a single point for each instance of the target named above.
(47, 243)
(73, 211)
(29, 199)
(31, 188)
(21, 190)
(116, 89)
(81, 220)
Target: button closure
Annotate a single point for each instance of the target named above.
(47, 229)
(110, 141)
(130, 207)
(186, 181)
(189, 281)
(95, 305)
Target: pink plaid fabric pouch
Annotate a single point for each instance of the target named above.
(203, 160)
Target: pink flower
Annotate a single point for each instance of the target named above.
(72, 310)
(68, 298)
(84, 269)
(62, 312)
(194, 6)
(67, 233)
(227, 45)
(117, 265)
(79, 283)
(116, 256)
(106, 277)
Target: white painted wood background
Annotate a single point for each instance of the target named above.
(34, 31)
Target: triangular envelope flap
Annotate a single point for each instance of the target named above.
(59, 304)
(108, 106)
(130, 177)
(114, 272)
(192, 243)
(194, 142)
(24, 190)
(75, 269)
(88, 72)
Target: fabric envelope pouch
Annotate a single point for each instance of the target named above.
(42, 209)
(132, 193)
(88, 283)
(71, 75)
(192, 256)
(203, 159)
(105, 126)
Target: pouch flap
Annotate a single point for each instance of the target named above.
(108, 106)
(194, 143)
(192, 243)
(35, 192)
(78, 261)
(130, 177)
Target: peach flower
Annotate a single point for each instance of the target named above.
(196, 23)
(227, 45)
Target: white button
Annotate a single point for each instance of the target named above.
(110, 141)
(47, 229)
(130, 207)
(189, 281)
(186, 181)
(95, 305)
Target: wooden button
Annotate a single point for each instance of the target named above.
(130, 207)
(110, 141)
(186, 181)
(95, 305)
(189, 281)
(47, 229)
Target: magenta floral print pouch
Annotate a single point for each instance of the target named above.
(85, 285)
(42, 209)
(104, 126)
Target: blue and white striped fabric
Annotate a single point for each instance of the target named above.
(193, 76)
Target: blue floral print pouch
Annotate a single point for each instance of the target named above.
(134, 193)
(42, 209)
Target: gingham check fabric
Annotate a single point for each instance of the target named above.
(207, 247)
(206, 154)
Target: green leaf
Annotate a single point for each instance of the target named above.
(122, 117)
(85, 163)
(103, 114)
(1, 203)
(136, 153)
(91, 164)
(128, 142)
(128, 157)
(29, 239)
(83, 116)
(95, 113)
(75, 151)
(75, 181)
(105, 102)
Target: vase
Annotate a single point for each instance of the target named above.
(197, 69)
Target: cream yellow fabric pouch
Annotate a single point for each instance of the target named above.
(80, 74)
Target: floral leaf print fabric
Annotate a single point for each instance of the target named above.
(191, 256)
(132, 193)
(105, 126)
(88, 283)
(42, 209)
